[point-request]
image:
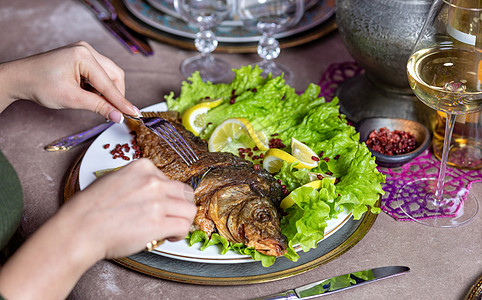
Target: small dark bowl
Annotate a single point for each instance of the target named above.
(421, 133)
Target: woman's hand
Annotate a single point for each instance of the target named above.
(114, 217)
(121, 212)
(53, 79)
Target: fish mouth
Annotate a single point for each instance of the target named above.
(271, 247)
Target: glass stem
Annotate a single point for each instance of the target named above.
(268, 47)
(206, 41)
(449, 128)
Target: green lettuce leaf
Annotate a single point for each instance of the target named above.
(277, 109)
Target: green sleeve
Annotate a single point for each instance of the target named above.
(11, 201)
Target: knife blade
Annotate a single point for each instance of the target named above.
(339, 283)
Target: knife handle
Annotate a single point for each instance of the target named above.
(71, 141)
(137, 39)
(288, 295)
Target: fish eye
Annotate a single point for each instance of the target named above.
(263, 215)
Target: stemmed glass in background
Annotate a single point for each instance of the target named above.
(205, 15)
(445, 73)
(270, 17)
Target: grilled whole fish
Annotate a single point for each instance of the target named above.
(234, 199)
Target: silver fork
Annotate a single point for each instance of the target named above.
(171, 136)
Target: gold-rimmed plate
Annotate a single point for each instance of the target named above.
(145, 12)
(348, 232)
(475, 292)
(151, 32)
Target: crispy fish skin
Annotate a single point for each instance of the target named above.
(233, 199)
(240, 207)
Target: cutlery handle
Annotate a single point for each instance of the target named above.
(137, 39)
(71, 141)
(112, 26)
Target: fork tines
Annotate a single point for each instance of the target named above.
(171, 136)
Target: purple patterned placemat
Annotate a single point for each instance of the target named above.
(425, 165)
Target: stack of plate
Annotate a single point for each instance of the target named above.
(159, 20)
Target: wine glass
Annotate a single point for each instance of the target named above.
(205, 15)
(445, 73)
(270, 17)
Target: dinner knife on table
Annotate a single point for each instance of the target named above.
(338, 283)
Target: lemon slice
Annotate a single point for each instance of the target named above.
(225, 133)
(273, 160)
(288, 200)
(259, 137)
(304, 154)
(193, 119)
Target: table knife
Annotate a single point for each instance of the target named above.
(68, 142)
(137, 39)
(113, 27)
(338, 283)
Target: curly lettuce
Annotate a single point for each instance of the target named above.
(277, 109)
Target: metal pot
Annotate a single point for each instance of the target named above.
(380, 35)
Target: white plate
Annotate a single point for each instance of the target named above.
(98, 158)
(181, 250)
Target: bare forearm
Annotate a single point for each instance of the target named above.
(8, 76)
(48, 265)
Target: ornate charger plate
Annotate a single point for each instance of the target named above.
(195, 272)
(151, 32)
(145, 12)
(475, 292)
(167, 7)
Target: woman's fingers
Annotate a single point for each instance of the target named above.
(54, 79)
(133, 206)
(108, 79)
(115, 73)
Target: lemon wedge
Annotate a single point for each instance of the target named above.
(273, 160)
(304, 154)
(193, 119)
(288, 200)
(233, 129)
(225, 133)
(259, 137)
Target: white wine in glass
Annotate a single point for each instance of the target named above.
(445, 73)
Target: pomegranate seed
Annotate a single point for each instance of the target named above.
(390, 142)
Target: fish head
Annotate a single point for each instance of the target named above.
(256, 222)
